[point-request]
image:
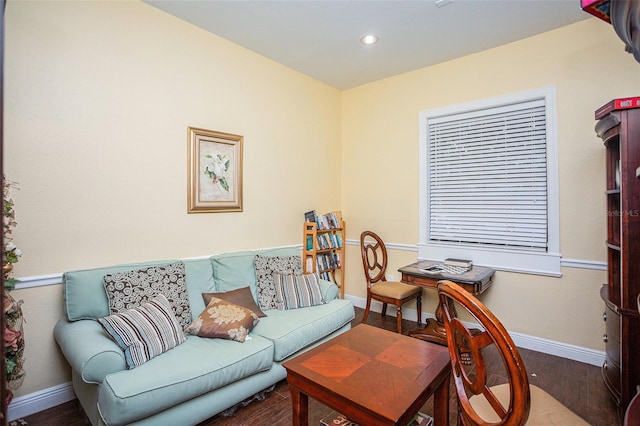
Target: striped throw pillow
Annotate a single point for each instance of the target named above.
(144, 332)
(297, 291)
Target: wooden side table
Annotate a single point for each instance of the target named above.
(475, 281)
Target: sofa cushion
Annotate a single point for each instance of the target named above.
(223, 320)
(236, 270)
(129, 289)
(241, 296)
(196, 367)
(144, 332)
(86, 298)
(297, 291)
(295, 329)
(265, 267)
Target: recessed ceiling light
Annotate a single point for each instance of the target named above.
(369, 39)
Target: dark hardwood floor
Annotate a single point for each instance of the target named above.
(578, 386)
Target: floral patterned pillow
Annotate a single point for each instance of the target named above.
(265, 267)
(223, 320)
(130, 289)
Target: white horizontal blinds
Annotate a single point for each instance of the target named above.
(488, 177)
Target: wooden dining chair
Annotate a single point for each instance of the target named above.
(374, 261)
(514, 403)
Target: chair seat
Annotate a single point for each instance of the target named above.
(374, 261)
(394, 289)
(545, 410)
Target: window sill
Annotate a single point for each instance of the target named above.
(502, 260)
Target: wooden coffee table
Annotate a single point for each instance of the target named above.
(372, 376)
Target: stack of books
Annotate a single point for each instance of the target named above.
(463, 264)
(326, 221)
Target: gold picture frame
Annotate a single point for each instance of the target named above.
(214, 171)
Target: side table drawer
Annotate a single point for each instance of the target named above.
(612, 323)
(611, 376)
(611, 372)
(611, 337)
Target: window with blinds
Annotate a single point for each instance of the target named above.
(490, 186)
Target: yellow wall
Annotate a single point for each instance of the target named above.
(587, 64)
(98, 97)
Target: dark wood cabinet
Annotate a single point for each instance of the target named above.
(618, 126)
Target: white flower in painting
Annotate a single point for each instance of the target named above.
(216, 167)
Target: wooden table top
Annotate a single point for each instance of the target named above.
(374, 371)
(476, 280)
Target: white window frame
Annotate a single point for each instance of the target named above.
(532, 262)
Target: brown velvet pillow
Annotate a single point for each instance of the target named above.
(240, 297)
(223, 320)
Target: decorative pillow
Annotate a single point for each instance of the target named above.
(241, 297)
(144, 332)
(265, 267)
(224, 320)
(130, 289)
(297, 291)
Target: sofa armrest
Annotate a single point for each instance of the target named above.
(329, 290)
(88, 349)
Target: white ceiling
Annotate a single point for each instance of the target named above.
(321, 38)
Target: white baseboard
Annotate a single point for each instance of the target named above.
(551, 347)
(32, 403)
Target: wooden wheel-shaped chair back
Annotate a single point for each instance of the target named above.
(374, 261)
(514, 403)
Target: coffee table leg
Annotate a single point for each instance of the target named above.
(441, 404)
(300, 403)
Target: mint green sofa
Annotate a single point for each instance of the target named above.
(201, 377)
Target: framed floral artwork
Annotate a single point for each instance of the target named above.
(214, 171)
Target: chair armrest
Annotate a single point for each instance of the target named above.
(329, 290)
(88, 349)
